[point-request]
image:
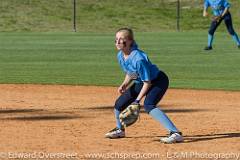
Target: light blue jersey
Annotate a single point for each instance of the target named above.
(217, 6)
(138, 66)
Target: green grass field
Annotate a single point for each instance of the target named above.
(36, 45)
(105, 15)
(90, 59)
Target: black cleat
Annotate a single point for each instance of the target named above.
(208, 48)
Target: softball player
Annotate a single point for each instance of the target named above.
(148, 80)
(221, 12)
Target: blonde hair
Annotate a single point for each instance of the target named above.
(127, 33)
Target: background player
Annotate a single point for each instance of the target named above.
(148, 80)
(221, 12)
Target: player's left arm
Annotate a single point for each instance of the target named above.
(225, 12)
(145, 88)
(144, 74)
(226, 5)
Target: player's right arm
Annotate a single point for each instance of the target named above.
(205, 13)
(127, 81)
(206, 5)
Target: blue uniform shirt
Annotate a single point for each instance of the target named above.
(138, 66)
(217, 6)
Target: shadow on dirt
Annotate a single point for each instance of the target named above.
(36, 115)
(194, 138)
(207, 137)
(6, 111)
(44, 118)
(111, 108)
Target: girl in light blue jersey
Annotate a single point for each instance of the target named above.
(148, 80)
(221, 12)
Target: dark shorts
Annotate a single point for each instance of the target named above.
(228, 22)
(153, 96)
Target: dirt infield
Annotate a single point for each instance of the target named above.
(57, 121)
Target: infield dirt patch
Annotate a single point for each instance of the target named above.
(54, 119)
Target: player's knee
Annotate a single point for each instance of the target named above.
(118, 105)
(231, 31)
(211, 32)
(148, 107)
